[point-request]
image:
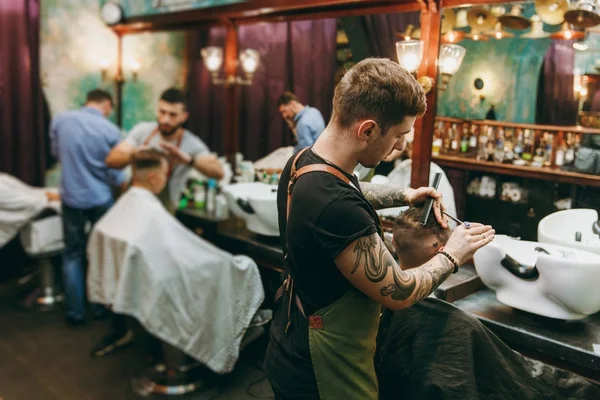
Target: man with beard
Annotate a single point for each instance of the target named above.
(185, 150)
(306, 122)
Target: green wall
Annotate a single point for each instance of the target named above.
(510, 70)
(74, 43)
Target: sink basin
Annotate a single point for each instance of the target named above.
(545, 279)
(561, 228)
(256, 203)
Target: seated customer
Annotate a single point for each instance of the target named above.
(145, 264)
(20, 204)
(434, 350)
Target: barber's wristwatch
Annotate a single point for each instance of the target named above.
(192, 160)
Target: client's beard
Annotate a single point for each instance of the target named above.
(168, 131)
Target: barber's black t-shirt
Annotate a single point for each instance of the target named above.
(326, 216)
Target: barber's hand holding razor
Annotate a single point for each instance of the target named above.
(466, 239)
(418, 196)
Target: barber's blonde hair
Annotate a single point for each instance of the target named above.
(409, 230)
(378, 89)
(147, 159)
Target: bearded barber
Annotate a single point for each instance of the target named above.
(185, 150)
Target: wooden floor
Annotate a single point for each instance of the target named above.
(41, 358)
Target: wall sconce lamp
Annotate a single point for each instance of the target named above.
(134, 67)
(410, 55)
(213, 60)
(580, 86)
(478, 83)
(104, 64)
(450, 59)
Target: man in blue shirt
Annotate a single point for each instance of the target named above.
(306, 122)
(81, 140)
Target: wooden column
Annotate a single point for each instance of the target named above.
(231, 99)
(119, 82)
(431, 20)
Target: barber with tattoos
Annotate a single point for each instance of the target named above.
(339, 271)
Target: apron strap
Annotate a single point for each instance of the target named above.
(288, 283)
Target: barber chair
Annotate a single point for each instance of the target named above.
(177, 374)
(42, 240)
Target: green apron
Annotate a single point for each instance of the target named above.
(342, 336)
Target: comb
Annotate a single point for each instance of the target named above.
(429, 201)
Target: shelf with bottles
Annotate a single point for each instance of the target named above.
(534, 151)
(204, 196)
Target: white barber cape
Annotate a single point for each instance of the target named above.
(19, 205)
(183, 290)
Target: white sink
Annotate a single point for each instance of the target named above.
(561, 228)
(256, 203)
(554, 281)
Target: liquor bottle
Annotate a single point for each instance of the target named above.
(464, 142)
(560, 154)
(483, 139)
(519, 145)
(570, 152)
(499, 149)
(548, 151)
(473, 138)
(527, 153)
(453, 138)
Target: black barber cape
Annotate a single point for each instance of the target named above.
(434, 350)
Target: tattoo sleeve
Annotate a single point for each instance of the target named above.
(382, 196)
(408, 286)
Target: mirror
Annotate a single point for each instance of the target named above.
(532, 64)
(307, 57)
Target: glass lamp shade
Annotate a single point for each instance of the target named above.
(249, 59)
(212, 57)
(451, 56)
(410, 54)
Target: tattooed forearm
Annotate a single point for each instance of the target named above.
(366, 249)
(407, 286)
(418, 283)
(382, 196)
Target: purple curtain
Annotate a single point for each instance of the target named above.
(557, 104)
(296, 56)
(206, 100)
(22, 136)
(380, 31)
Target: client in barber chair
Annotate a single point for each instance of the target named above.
(183, 290)
(434, 350)
(20, 204)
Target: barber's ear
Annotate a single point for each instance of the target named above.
(366, 130)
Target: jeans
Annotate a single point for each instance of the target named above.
(75, 221)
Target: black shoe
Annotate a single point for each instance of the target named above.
(112, 342)
(75, 322)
